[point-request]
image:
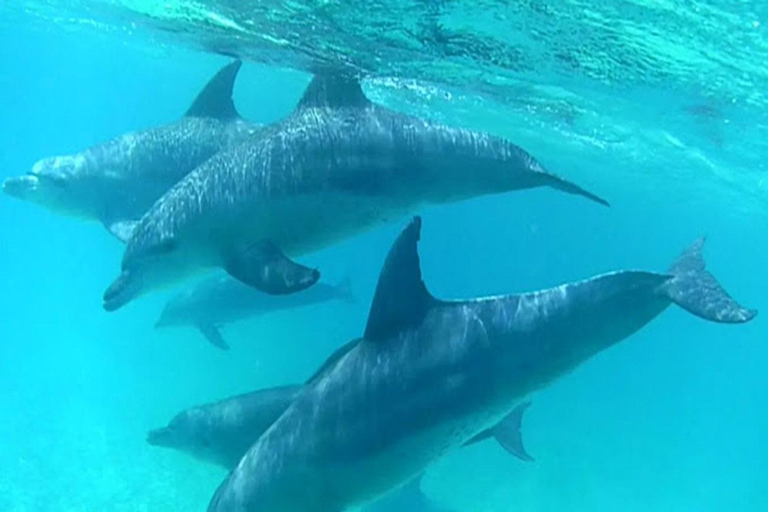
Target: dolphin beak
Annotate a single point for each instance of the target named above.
(21, 186)
(159, 437)
(122, 291)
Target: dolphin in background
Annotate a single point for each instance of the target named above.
(220, 433)
(337, 166)
(429, 375)
(220, 300)
(117, 181)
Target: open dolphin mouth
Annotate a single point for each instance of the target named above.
(21, 186)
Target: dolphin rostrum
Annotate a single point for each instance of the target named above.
(337, 166)
(117, 181)
(429, 375)
(220, 300)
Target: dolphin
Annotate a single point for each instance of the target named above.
(117, 181)
(338, 165)
(428, 375)
(220, 300)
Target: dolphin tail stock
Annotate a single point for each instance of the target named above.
(264, 267)
(344, 287)
(697, 291)
(569, 187)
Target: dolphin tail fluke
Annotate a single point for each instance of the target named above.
(508, 433)
(213, 335)
(264, 267)
(697, 291)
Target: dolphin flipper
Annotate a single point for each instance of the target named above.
(697, 291)
(215, 100)
(264, 267)
(508, 433)
(213, 335)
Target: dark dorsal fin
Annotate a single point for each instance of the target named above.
(401, 299)
(333, 90)
(215, 100)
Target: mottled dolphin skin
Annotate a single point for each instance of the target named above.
(337, 166)
(221, 433)
(117, 181)
(220, 300)
(429, 375)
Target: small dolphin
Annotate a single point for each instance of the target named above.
(335, 167)
(117, 181)
(220, 300)
(429, 375)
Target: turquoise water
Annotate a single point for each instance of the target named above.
(670, 129)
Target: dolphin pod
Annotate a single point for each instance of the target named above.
(427, 376)
(337, 166)
(430, 375)
(117, 181)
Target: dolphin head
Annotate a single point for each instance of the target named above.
(148, 264)
(172, 315)
(58, 184)
(187, 432)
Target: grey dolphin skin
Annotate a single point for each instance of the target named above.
(117, 181)
(220, 300)
(429, 375)
(334, 168)
(221, 433)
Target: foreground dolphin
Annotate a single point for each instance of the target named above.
(335, 167)
(429, 375)
(116, 182)
(221, 300)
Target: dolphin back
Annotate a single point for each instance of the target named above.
(697, 291)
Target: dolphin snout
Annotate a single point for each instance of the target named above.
(159, 436)
(21, 186)
(122, 291)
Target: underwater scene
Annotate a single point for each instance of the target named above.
(387, 256)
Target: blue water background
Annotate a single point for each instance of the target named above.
(676, 418)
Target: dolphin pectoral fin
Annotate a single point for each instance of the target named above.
(121, 229)
(215, 100)
(264, 267)
(213, 335)
(401, 299)
(697, 291)
(508, 433)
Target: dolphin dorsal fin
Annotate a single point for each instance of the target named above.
(215, 100)
(333, 90)
(401, 299)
